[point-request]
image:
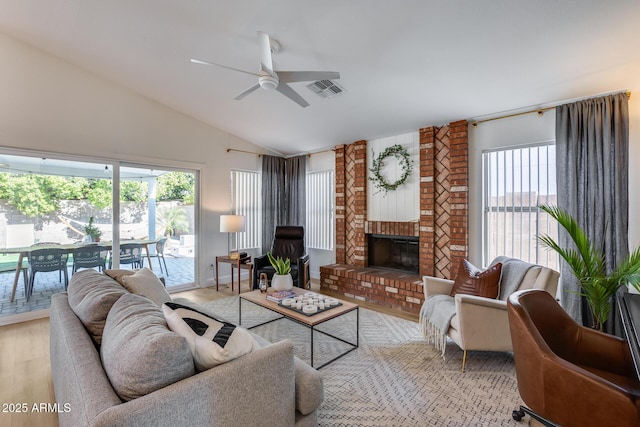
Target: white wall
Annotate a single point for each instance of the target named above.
(403, 204)
(321, 162)
(52, 106)
(527, 129)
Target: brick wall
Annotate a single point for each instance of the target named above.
(442, 228)
(390, 228)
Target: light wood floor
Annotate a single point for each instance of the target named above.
(25, 370)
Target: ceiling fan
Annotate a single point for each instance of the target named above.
(269, 79)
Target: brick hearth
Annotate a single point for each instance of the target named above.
(442, 228)
(384, 287)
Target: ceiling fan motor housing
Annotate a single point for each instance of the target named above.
(269, 82)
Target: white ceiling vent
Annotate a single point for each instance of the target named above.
(326, 88)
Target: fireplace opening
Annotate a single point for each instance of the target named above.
(399, 253)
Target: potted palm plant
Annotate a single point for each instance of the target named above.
(92, 231)
(282, 280)
(587, 262)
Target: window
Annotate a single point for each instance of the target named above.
(515, 182)
(320, 210)
(245, 200)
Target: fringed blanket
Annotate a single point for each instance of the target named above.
(435, 317)
(438, 310)
(513, 271)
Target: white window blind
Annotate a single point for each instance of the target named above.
(246, 200)
(516, 182)
(320, 232)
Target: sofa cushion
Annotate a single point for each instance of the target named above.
(91, 296)
(473, 281)
(139, 352)
(212, 341)
(144, 282)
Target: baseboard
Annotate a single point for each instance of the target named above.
(24, 317)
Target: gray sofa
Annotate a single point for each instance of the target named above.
(267, 387)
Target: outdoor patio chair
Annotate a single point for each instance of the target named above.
(49, 244)
(160, 255)
(130, 253)
(44, 260)
(90, 256)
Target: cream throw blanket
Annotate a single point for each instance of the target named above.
(438, 310)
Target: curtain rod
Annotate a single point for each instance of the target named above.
(540, 112)
(243, 151)
(260, 155)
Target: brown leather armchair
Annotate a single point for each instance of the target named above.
(569, 374)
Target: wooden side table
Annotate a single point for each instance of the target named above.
(235, 263)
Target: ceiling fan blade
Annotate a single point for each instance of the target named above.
(198, 61)
(306, 76)
(266, 63)
(287, 91)
(247, 92)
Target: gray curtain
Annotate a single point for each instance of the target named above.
(296, 194)
(273, 198)
(592, 139)
(283, 195)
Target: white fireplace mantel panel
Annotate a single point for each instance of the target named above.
(402, 204)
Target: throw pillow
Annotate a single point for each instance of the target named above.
(145, 282)
(212, 341)
(473, 281)
(118, 274)
(91, 296)
(139, 353)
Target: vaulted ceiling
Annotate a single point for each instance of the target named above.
(403, 64)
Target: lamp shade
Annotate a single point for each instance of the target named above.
(232, 223)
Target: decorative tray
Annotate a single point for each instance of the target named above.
(319, 303)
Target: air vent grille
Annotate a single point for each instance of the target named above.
(326, 88)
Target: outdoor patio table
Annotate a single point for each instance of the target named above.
(25, 250)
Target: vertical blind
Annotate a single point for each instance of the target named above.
(320, 232)
(516, 181)
(246, 200)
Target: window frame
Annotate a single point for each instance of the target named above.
(513, 208)
(256, 243)
(328, 224)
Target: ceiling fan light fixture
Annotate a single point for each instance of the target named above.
(268, 82)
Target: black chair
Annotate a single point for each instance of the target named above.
(43, 260)
(160, 255)
(90, 256)
(130, 253)
(287, 243)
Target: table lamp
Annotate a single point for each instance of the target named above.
(233, 224)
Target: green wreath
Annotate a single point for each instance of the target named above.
(406, 164)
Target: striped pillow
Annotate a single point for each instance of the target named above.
(212, 341)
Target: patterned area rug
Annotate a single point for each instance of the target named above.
(394, 378)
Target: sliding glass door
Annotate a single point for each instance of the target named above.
(157, 212)
(70, 202)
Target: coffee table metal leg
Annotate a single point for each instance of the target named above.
(357, 327)
(239, 311)
(311, 346)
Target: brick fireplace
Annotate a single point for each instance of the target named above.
(441, 229)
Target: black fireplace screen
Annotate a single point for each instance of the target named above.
(394, 252)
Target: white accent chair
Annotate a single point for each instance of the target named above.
(482, 324)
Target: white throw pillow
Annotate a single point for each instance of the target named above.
(144, 282)
(212, 341)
